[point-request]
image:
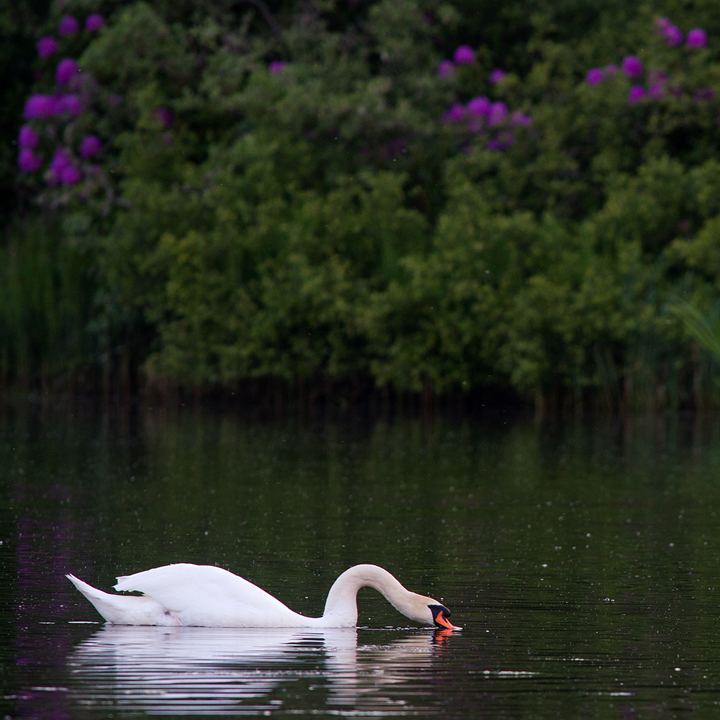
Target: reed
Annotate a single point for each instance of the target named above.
(46, 296)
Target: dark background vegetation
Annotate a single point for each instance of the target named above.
(321, 233)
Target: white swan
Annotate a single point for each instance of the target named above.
(207, 596)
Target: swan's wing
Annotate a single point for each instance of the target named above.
(124, 610)
(210, 596)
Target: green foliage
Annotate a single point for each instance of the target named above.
(316, 219)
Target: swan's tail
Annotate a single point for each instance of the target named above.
(126, 609)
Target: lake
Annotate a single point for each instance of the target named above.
(580, 557)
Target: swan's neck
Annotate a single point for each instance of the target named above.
(341, 603)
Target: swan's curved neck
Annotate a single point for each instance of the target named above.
(341, 603)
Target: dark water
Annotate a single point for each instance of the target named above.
(581, 559)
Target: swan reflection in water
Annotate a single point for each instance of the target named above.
(193, 670)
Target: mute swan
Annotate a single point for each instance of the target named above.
(207, 596)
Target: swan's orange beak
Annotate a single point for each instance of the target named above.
(442, 621)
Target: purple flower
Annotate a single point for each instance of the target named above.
(29, 161)
(28, 138)
(632, 66)
(94, 22)
(657, 91)
(90, 146)
(57, 106)
(637, 92)
(164, 115)
(61, 160)
(70, 175)
(696, 38)
(594, 76)
(670, 32)
(68, 25)
(662, 24)
(520, 119)
(464, 55)
(38, 106)
(455, 113)
(47, 46)
(479, 107)
(276, 67)
(673, 36)
(498, 113)
(445, 69)
(66, 70)
(611, 69)
(704, 94)
(496, 76)
(69, 104)
(494, 145)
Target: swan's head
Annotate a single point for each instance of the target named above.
(440, 615)
(430, 612)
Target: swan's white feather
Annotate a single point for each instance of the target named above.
(126, 609)
(203, 595)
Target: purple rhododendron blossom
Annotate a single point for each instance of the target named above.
(68, 25)
(637, 92)
(479, 107)
(594, 76)
(497, 75)
(657, 91)
(61, 160)
(696, 38)
(28, 138)
(498, 113)
(455, 113)
(464, 55)
(632, 66)
(445, 69)
(66, 70)
(69, 104)
(277, 66)
(494, 144)
(704, 94)
(670, 32)
(94, 22)
(90, 146)
(520, 119)
(38, 106)
(70, 175)
(57, 105)
(47, 46)
(673, 36)
(29, 161)
(164, 115)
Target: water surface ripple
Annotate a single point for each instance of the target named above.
(581, 560)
